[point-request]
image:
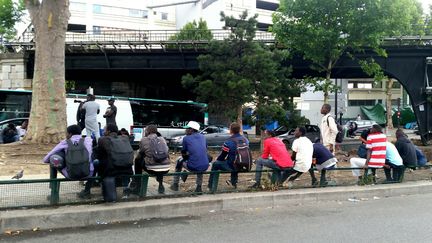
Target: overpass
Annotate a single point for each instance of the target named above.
(155, 53)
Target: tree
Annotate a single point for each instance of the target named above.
(10, 14)
(48, 111)
(193, 31)
(237, 71)
(323, 31)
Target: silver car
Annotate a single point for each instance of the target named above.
(214, 135)
(312, 132)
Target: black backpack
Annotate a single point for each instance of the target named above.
(340, 134)
(77, 160)
(121, 152)
(243, 158)
(159, 149)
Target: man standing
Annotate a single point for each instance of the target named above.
(406, 149)
(225, 161)
(329, 128)
(194, 156)
(111, 112)
(91, 111)
(280, 158)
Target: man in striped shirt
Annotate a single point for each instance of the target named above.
(376, 145)
(376, 152)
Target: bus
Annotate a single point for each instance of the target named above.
(169, 115)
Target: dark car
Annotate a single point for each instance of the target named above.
(356, 127)
(312, 132)
(215, 136)
(4, 123)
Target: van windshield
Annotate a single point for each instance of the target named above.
(166, 114)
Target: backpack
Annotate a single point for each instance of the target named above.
(159, 149)
(121, 152)
(77, 160)
(340, 134)
(243, 158)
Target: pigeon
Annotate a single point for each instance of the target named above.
(18, 175)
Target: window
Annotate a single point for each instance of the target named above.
(263, 26)
(97, 8)
(361, 85)
(96, 30)
(267, 5)
(77, 28)
(396, 85)
(164, 16)
(361, 102)
(138, 13)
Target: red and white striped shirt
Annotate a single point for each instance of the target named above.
(376, 142)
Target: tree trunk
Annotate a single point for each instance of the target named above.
(326, 86)
(240, 118)
(47, 122)
(388, 103)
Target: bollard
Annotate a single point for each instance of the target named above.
(55, 189)
(144, 183)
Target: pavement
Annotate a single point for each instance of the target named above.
(89, 215)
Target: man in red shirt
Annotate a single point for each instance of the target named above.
(280, 158)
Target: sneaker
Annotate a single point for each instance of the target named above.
(228, 182)
(290, 184)
(198, 189)
(256, 185)
(314, 183)
(175, 187)
(184, 176)
(161, 189)
(84, 194)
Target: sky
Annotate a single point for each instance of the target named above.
(426, 4)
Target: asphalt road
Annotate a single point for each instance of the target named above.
(396, 219)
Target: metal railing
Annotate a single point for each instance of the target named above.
(48, 192)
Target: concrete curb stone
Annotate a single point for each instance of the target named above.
(86, 215)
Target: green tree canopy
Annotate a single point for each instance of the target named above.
(238, 70)
(193, 31)
(10, 13)
(322, 31)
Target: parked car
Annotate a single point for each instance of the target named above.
(215, 136)
(4, 123)
(312, 132)
(359, 126)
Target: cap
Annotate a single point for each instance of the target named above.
(193, 124)
(111, 99)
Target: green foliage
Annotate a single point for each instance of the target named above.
(238, 71)
(10, 13)
(322, 31)
(192, 31)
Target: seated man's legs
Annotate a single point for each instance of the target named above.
(357, 163)
(176, 179)
(219, 165)
(259, 166)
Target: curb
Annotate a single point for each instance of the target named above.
(87, 215)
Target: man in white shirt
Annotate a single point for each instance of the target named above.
(328, 128)
(91, 111)
(302, 153)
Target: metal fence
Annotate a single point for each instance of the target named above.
(46, 192)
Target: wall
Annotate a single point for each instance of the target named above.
(13, 72)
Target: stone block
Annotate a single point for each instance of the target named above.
(5, 84)
(6, 68)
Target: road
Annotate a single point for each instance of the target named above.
(396, 219)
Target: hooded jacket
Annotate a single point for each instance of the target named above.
(407, 151)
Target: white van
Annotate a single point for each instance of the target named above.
(124, 117)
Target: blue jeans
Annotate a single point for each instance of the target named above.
(259, 166)
(223, 166)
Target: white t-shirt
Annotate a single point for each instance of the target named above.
(304, 151)
(91, 108)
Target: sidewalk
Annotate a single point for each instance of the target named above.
(86, 215)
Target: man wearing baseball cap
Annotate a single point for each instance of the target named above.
(194, 155)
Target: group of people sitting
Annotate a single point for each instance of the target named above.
(376, 152)
(80, 158)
